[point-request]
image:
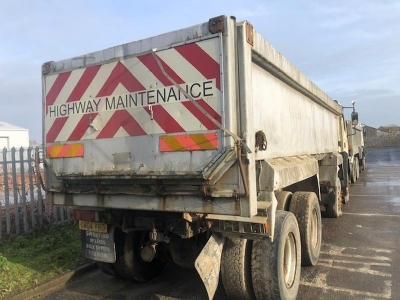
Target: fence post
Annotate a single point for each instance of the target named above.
(68, 215)
(6, 191)
(62, 211)
(39, 191)
(14, 177)
(31, 187)
(1, 221)
(23, 193)
(55, 209)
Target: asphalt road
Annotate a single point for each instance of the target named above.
(360, 256)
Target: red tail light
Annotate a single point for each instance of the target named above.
(86, 215)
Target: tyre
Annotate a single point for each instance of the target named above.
(305, 207)
(346, 195)
(353, 178)
(335, 210)
(357, 168)
(283, 198)
(236, 268)
(276, 265)
(129, 264)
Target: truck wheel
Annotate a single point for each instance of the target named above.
(283, 198)
(276, 265)
(353, 177)
(129, 264)
(356, 163)
(335, 210)
(346, 198)
(305, 207)
(236, 268)
(107, 268)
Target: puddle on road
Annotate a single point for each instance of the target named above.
(396, 201)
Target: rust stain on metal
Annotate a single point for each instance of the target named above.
(100, 200)
(164, 203)
(325, 186)
(238, 211)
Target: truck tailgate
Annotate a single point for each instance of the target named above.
(126, 117)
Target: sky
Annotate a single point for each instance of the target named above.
(349, 48)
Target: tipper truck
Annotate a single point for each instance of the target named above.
(355, 136)
(204, 146)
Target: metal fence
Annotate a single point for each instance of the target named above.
(22, 205)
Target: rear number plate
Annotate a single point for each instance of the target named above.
(93, 226)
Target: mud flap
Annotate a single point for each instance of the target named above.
(99, 246)
(208, 263)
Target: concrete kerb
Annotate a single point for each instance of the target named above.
(53, 284)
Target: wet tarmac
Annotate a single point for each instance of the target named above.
(361, 250)
(360, 256)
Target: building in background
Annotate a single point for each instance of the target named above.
(13, 136)
(370, 131)
(392, 130)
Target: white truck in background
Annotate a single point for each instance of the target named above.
(203, 145)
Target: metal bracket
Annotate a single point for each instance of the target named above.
(46, 67)
(261, 141)
(249, 33)
(216, 24)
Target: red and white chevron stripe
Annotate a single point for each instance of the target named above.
(186, 64)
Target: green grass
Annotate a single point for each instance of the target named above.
(27, 260)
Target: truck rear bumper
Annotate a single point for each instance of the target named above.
(223, 206)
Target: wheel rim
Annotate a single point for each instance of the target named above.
(290, 260)
(314, 229)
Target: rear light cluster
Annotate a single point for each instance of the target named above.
(86, 215)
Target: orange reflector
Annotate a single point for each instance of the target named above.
(64, 151)
(189, 142)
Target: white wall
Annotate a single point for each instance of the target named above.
(16, 138)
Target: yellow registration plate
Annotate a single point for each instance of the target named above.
(93, 226)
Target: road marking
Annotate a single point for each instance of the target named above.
(370, 196)
(365, 269)
(387, 294)
(382, 258)
(379, 250)
(371, 215)
(334, 258)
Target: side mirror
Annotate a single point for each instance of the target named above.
(364, 132)
(354, 118)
